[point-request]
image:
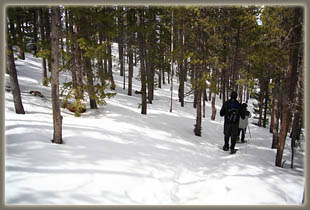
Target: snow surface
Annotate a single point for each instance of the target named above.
(116, 156)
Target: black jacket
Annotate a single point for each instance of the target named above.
(227, 105)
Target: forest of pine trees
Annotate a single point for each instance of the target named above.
(256, 51)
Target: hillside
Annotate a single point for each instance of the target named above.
(115, 155)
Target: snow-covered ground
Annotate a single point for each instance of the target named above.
(116, 155)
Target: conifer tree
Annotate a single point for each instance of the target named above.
(57, 118)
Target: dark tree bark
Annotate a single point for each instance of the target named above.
(297, 116)
(272, 112)
(57, 118)
(172, 60)
(42, 41)
(276, 115)
(90, 83)
(290, 82)
(198, 108)
(19, 109)
(110, 72)
(100, 61)
(204, 96)
(141, 41)
(213, 91)
(159, 73)
(87, 62)
(181, 66)
(261, 104)
(120, 41)
(266, 103)
(35, 30)
(130, 19)
(47, 26)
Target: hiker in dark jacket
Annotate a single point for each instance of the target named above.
(232, 110)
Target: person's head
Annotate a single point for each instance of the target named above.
(244, 105)
(233, 95)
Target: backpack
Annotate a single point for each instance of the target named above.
(233, 114)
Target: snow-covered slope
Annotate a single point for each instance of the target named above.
(115, 155)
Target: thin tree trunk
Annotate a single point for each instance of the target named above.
(260, 106)
(297, 115)
(204, 96)
(198, 108)
(266, 104)
(57, 118)
(90, 83)
(171, 83)
(100, 62)
(130, 60)
(272, 113)
(213, 92)
(121, 44)
(42, 40)
(48, 35)
(276, 115)
(131, 34)
(110, 72)
(19, 109)
(213, 106)
(142, 63)
(35, 30)
(182, 69)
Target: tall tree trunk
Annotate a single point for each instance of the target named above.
(223, 86)
(290, 82)
(130, 56)
(131, 34)
(198, 108)
(181, 66)
(260, 105)
(90, 83)
(47, 26)
(100, 62)
(159, 72)
(57, 118)
(35, 30)
(19, 109)
(297, 116)
(121, 42)
(204, 96)
(110, 72)
(150, 79)
(42, 40)
(276, 114)
(171, 70)
(213, 91)
(141, 41)
(272, 112)
(193, 79)
(266, 103)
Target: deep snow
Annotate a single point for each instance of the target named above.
(116, 155)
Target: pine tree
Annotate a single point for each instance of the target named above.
(57, 118)
(290, 79)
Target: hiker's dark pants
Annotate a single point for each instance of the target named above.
(243, 131)
(231, 130)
